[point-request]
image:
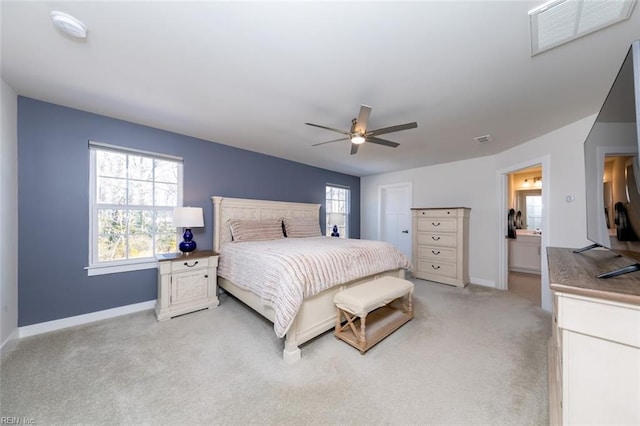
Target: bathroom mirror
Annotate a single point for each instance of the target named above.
(529, 204)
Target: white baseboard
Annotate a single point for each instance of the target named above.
(9, 342)
(483, 282)
(45, 327)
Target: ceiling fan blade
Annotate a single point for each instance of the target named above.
(392, 129)
(383, 142)
(335, 140)
(363, 118)
(354, 148)
(344, 132)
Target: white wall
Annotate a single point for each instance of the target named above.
(8, 215)
(469, 183)
(473, 183)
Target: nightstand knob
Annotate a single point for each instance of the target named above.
(190, 266)
(206, 276)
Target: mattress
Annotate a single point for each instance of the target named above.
(285, 271)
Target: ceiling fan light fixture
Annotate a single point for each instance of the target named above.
(68, 24)
(357, 139)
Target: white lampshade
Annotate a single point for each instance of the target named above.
(188, 217)
(336, 219)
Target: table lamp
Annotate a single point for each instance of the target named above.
(188, 217)
(336, 219)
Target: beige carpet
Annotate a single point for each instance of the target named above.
(470, 356)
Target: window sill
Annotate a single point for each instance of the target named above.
(127, 267)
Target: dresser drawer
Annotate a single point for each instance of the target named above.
(190, 264)
(437, 268)
(437, 254)
(438, 213)
(437, 224)
(436, 239)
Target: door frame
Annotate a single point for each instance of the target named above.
(382, 188)
(503, 199)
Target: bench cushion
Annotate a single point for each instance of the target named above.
(364, 298)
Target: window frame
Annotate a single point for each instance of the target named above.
(100, 268)
(346, 213)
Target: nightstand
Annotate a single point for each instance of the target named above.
(186, 283)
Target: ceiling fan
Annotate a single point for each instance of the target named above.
(358, 133)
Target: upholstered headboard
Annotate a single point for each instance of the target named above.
(245, 209)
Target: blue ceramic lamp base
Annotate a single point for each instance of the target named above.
(188, 245)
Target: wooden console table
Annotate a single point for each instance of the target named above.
(594, 350)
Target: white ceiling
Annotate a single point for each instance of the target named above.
(251, 74)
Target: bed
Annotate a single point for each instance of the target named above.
(316, 312)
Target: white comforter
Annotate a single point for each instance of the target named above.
(284, 272)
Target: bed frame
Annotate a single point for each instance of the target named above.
(318, 313)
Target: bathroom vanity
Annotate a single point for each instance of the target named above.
(524, 252)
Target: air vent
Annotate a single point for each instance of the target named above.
(483, 139)
(560, 21)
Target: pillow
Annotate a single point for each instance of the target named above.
(299, 228)
(256, 230)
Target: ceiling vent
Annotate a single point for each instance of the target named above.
(560, 21)
(483, 139)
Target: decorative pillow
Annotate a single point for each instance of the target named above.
(299, 228)
(256, 230)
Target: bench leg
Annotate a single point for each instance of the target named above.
(407, 304)
(362, 335)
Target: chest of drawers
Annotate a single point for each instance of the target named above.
(441, 244)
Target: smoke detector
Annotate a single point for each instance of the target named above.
(68, 24)
(483, 139)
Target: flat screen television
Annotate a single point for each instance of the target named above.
(612, 168)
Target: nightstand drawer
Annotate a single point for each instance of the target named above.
(190, 264)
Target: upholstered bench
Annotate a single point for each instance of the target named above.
(373, 310)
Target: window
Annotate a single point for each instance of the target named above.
(534, 212)
(337, 209)
(132, 197)
(529, 203)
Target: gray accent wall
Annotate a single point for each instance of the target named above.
(53, 202)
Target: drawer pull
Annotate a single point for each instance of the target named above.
(435, 224)
(190, 266)
(435, 252)
(435, 266)
(206, 276)
(435, 238)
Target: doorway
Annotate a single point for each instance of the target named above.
(524, 215)
(394, 224)
(525, 220)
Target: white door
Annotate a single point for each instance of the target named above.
(395, 216)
